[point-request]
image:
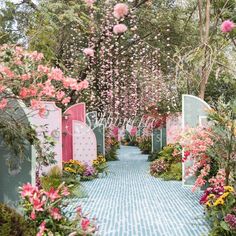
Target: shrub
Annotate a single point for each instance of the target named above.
(14, 224)
(174, 173)
(145, 144)
(170, 158)
(158, 167)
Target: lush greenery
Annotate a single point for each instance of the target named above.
(145, 144)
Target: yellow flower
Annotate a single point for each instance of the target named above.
(219, 201)
(225, 195)
(211, 196)
(208, 204)
(229, 188)
(70, 170)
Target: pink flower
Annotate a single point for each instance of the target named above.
(69, 82)
(2, 88)
(82, 85)
(55, 213)
(133, 131)
(53, 194)
(56, 74)
(42, 228)
(119, 28)
(89, 2)
(120, 10)
(88, 52)
(27, 190)
(79, 210)
(25, 77)
(48, 89)
(65, 191)
(85, 224)
(60, 95)
(7, 71)
(66, 100)
(33, 215)
(35, 104)
(227, 26)
(36, 56)
(23, 92)
(37, 203)
(43, 69)
(3, 103)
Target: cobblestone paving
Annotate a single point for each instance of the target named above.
(129, 202)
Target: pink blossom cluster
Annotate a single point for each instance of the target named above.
(34, 85)
(120, 10)
(227, 26)
(89, 2)
(120, 28)
(219, 179)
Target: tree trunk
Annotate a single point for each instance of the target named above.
(206, 67)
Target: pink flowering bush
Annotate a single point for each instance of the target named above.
(24, 76)
(43, 209)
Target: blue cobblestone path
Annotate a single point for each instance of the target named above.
(130, 202)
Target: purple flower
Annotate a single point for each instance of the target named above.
(89, 171)
(230, 219)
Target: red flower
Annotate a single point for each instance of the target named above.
(53, 194)
(85, 224)
(187, 153)
(55, 213)
(27, 190)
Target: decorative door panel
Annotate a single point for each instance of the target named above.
(75, 112)
(84, 142)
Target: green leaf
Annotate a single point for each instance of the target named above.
(224, 225)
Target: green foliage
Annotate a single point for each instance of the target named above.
(55, 178)
(224, 138)
(111, 154)
(12, 223)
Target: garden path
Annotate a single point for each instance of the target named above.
(130, 202)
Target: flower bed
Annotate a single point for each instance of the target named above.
(43, 211)
(220, 207)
